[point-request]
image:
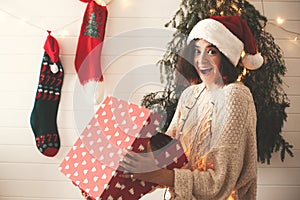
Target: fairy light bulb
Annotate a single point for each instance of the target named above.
(234, 7)
(279, 20)
(243, 74)
(244, 71)
(125, 3)
(212, 11)
(102, 2)
(243, 54)
(65, 33)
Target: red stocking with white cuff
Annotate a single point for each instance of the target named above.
(88, 54)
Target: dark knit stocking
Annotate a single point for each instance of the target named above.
(44, 113)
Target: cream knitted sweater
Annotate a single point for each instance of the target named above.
(218, 132)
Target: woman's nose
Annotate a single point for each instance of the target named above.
(202, 59)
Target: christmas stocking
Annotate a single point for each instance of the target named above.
(43, 116)
(89, 47)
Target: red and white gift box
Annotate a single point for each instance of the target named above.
(93, 162)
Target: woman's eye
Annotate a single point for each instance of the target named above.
(211, 51)
(197, 51)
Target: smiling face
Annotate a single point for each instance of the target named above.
(207, 59)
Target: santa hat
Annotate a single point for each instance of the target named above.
(231, 35)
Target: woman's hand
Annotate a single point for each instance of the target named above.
(143, 166)
(138, 162)
(163, 177)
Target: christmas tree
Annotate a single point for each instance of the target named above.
(91, 29)
(265, 83)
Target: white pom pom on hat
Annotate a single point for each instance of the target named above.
(231, 35)
(252, 62)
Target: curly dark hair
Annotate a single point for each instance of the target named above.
(185, 66)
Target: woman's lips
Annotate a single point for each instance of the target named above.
(205, 70)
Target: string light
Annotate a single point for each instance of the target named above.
(234, 7)
(65, 33)
(243, 54)
(212, 11)
(280, 21)
(295, 34)
(240, 77)
(125, 3)
(23, 21)
(102, 2)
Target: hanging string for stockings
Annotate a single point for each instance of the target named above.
(37, 26)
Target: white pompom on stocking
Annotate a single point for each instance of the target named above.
(54, 68)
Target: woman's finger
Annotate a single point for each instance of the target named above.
(131, 176)
(127, 163)
(138, 162)
(127, 168)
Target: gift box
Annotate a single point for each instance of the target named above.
(93, 162)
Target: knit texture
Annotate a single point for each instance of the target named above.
(218, 132)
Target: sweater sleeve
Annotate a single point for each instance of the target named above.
(227, 155)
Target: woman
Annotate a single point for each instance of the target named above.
(214, 120)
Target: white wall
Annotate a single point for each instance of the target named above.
(26, 174)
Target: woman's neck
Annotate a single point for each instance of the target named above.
(212, 87)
